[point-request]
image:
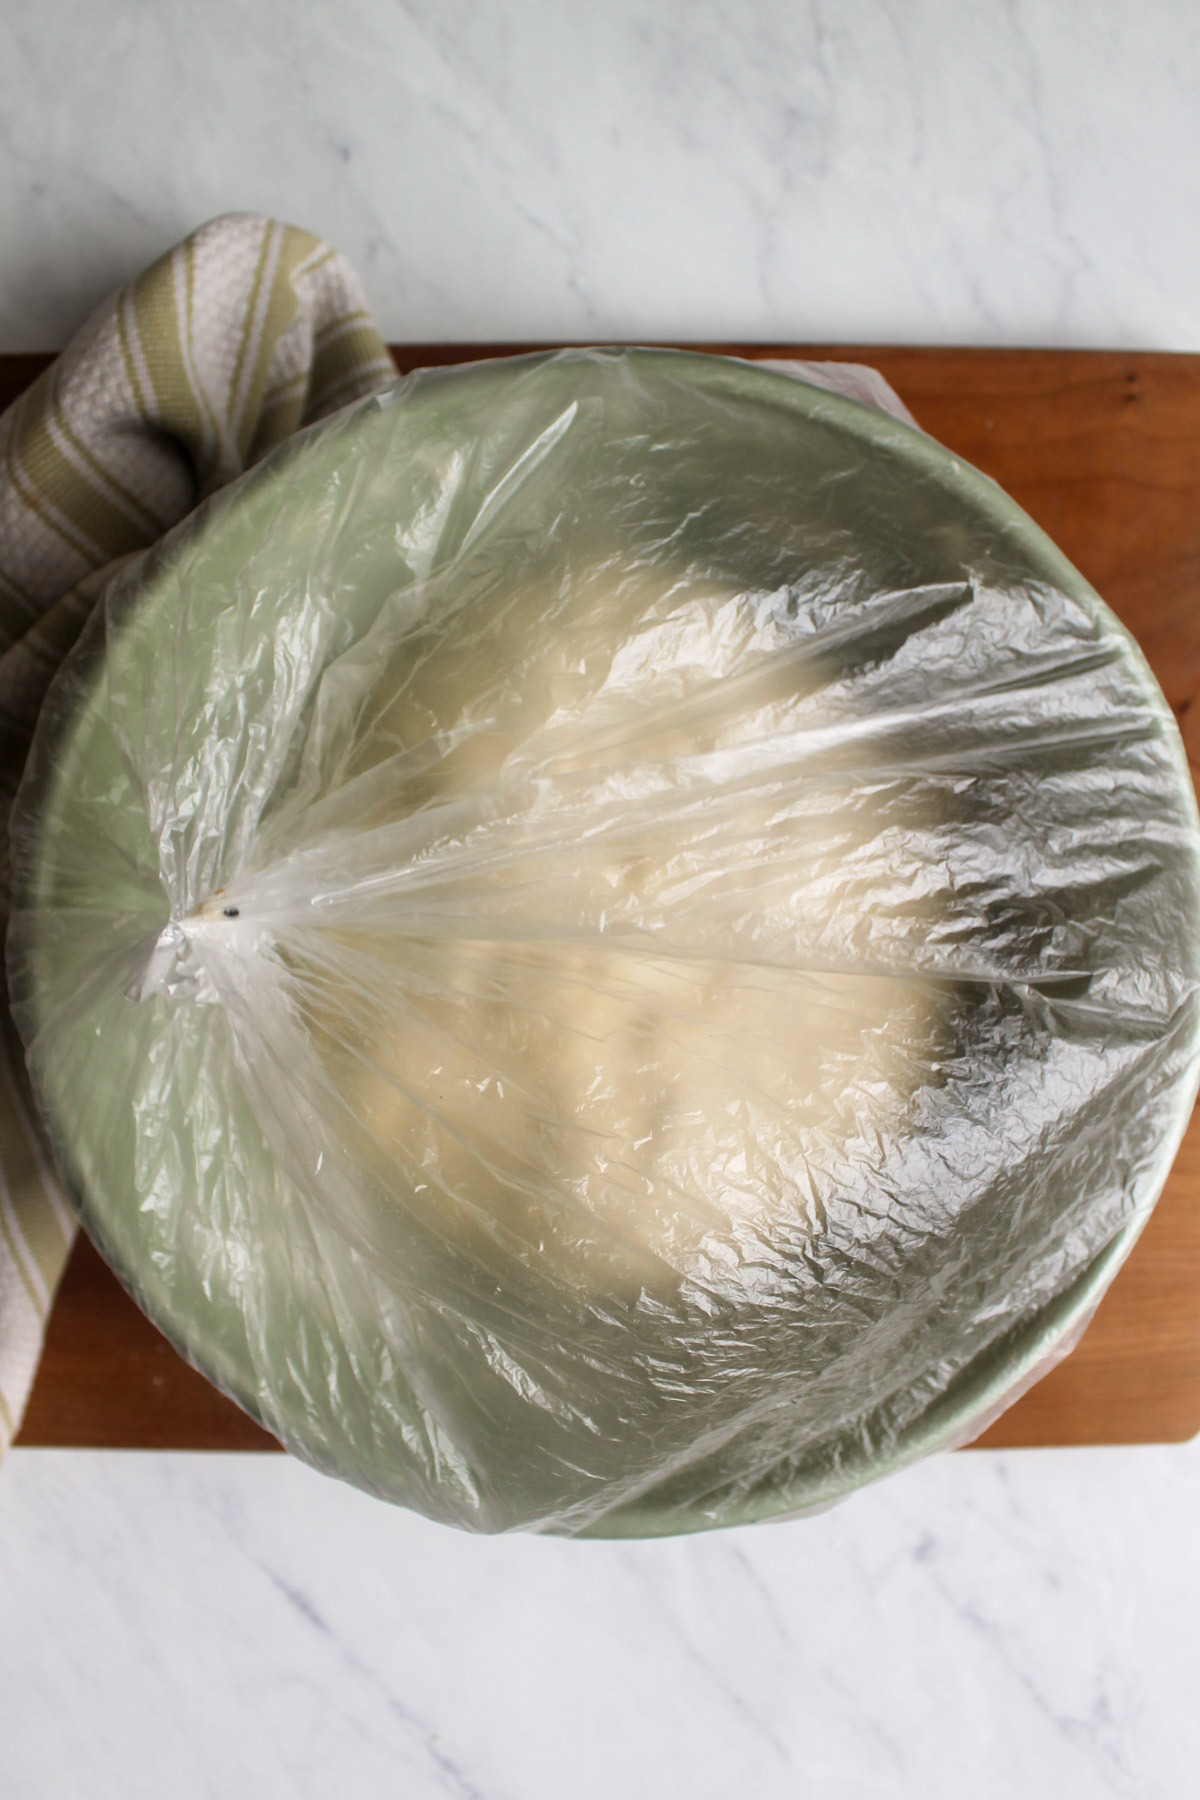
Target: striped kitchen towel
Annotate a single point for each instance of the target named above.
(245, 331)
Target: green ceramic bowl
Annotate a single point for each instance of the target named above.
(1002, 693)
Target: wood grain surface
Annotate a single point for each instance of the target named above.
(1103, 449)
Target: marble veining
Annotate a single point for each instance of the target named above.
(1007, 1625)
(1013, 171)
(1016, 171)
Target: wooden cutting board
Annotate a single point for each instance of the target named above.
(1103, 449)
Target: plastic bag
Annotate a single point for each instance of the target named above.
(608, 942)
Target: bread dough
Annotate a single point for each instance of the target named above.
(588, 971)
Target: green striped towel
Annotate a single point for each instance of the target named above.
(245, 331)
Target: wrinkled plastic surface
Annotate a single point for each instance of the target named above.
(609, 942)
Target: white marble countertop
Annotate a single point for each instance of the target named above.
(986, 1627)
(1014, 171)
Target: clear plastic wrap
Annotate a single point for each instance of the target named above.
(608, 942)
